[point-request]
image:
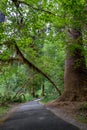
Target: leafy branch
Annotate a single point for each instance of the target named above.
(17, 3)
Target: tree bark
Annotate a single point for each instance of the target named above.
(43, 89)
(75, 78)
(33, 91)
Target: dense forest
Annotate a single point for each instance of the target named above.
(43, 50)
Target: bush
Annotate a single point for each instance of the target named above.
(49, 98)
(84, 106)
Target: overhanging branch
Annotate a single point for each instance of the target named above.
(27, 62)
(31, 65)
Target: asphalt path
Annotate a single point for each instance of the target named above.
(35, 116)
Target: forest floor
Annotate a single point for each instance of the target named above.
(72, 112)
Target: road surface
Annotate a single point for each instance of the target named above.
(34, 116)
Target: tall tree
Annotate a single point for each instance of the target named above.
(75, 79)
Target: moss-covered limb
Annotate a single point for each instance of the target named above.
(21, 58)
(31, 65)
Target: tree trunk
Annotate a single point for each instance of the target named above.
(75, 78)
(33, 91)
(43, 89)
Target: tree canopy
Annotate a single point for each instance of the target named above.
(38, 34)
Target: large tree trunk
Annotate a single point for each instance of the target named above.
(75, 79)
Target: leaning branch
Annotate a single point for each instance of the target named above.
(31, 65)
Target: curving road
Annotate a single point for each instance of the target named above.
(34, 116)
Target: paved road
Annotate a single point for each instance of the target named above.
(34, 116)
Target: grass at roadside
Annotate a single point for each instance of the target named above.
(4, 109)
(49, 98)
(82, 119)
(82, 115)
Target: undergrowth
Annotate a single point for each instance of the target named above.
(49, 98)
(4, 109)
(82, 116)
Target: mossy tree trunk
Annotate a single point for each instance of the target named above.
(75, 78)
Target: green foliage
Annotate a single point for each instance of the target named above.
(3, 109)
(40, 32)
(49, 98)
(82, 115)
(28, 97)
(82, 118)
(84, 106)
